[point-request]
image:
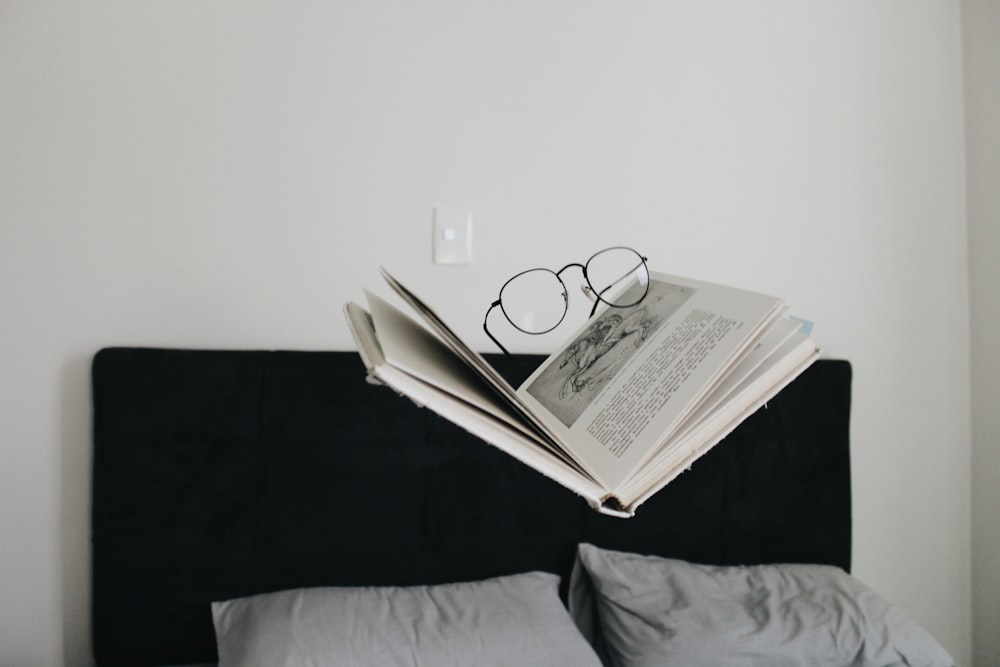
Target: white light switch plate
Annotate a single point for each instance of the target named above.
(452, 235)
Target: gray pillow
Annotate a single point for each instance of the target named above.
(647, 610)
(515, 620)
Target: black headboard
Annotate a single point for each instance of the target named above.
(220, 474)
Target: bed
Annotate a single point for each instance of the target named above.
(235, 491)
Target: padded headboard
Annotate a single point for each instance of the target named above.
(219, 474)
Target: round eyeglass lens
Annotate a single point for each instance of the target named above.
(618, 276)
(534, 301)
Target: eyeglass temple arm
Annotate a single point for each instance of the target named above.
(593, 308)
(487, 330)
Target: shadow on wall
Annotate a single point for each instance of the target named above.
(76, 458)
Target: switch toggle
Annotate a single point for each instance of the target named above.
(452, 235)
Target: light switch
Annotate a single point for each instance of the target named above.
(452, 235)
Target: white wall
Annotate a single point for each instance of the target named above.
(981, 32)
(227, 174)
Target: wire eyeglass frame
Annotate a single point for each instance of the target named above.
(597, 294)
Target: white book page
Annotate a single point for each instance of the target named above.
(475, 360)
(411, 348)
(769, 347)
(482, 423)
(448, 336)
(628, 378)
(795, 355)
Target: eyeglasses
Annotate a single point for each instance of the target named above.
(536, 301)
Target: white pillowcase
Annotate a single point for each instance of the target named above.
(647, 610)
(516, 620)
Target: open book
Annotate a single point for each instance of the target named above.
(624, 406)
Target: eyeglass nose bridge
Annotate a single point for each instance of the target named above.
(569, 266)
